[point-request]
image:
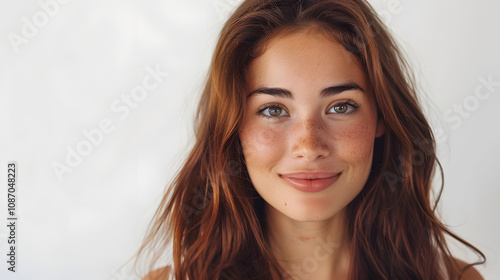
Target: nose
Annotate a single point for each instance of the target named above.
(310, 140)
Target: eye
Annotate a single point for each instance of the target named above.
(272, 111)
(344, 108)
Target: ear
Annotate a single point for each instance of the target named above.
(380, 127)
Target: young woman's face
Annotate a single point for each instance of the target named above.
(309, 126)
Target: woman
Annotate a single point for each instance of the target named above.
(313, 159)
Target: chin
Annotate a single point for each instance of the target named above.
(309, 212)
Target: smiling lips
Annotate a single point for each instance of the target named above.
(310, 182)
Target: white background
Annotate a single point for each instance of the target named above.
(64, 78)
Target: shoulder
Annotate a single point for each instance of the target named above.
(159, 274)
(471, 273)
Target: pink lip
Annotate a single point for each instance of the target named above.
(310, 182)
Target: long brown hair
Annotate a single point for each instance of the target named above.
(212, 214)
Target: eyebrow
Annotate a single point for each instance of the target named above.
(326, 92)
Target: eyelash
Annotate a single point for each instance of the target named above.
(350, 103)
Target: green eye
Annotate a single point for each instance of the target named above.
(344, 108)
(273, 111)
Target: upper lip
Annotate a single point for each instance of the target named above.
(310, 175)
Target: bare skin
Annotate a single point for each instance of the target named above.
(309, 132)
(304, 131)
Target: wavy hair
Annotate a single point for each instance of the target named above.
(211, 213)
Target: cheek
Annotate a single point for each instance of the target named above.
(261, 145)
(355, 143)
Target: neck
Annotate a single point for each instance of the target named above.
(309, 250)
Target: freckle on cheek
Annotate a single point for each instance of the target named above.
(265, 136)
(357, 141)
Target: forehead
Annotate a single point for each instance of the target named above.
(306, 56)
